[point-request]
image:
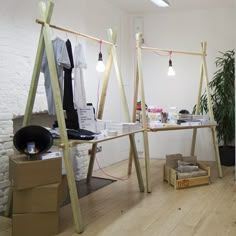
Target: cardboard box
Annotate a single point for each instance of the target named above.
(63, 190)
(28, 174)
(5, 223)
(171, 176)
(172, 160)
(35, 224)
(60, 155)
(46, 198)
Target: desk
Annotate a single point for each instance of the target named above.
(212, 126)
(73, 142)
(179, 127)
(94, 142)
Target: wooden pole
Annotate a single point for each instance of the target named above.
(173, 51)
(62, 128)
(36, 70)
(125, 107)
(91, 162)
(119, 78)
(101, 107)
(209, 103)
(198, 102)
(33, 86)
(73, 32)
(136, 85)
(203, 46)
(216, 149)
(136, 163)
(106, 80)
(213, 130)
(144, 119)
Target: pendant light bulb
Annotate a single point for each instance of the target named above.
(171, 71)
(100, 67)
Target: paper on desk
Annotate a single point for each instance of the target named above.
(87, 119)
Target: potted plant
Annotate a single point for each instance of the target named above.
(223, 104)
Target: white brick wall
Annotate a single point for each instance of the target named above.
(19, 38)
(6, 133)
(16, 65)
(81, 160)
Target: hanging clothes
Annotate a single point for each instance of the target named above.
(68, 91)
(68, 104)
(61, 60)
(80, 65)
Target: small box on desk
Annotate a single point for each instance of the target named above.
(45, 198)
(185, 180)
(35, 224)
(28, 174)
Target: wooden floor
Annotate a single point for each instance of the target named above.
(121, 210)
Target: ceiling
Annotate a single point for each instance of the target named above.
(146, 6)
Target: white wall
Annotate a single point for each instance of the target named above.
(182, 30)
(99, 19)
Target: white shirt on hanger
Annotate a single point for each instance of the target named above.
(61, 60)
(79, 65)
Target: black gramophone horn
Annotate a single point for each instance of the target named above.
(33, 140)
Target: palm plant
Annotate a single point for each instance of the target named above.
(223, 98)
(223, 105)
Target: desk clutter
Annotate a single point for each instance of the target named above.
(184, 171)
(103, 129)
(38, 190)
(158, 117)
(110, 128)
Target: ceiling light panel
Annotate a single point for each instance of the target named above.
(161, 3)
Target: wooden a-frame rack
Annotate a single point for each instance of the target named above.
(65, 144)
(139, 83)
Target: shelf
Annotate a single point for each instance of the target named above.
(181, 127)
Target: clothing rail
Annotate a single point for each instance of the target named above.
(74, 32)
(173, 51)
(139, 82)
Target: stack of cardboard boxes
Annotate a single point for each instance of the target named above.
(38, 191)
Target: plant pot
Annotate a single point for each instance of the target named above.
(227, 155)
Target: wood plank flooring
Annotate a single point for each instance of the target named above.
(120, 209)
